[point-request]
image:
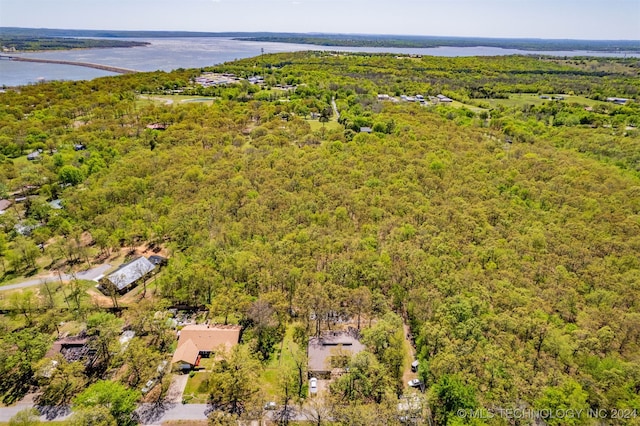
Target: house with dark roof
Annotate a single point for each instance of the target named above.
(322, 349)
(202, 340)
(127, 276)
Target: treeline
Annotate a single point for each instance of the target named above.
(396, 41)
(25, 44)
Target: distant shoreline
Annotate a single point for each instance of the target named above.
(351, 40)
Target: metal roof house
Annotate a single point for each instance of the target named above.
(127, 275)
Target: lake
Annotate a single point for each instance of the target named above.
(194, 52)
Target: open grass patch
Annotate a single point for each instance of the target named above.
(317, 125)
(196, 390)
(281, 362)
(520, 100)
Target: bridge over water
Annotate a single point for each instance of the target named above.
(109, 68)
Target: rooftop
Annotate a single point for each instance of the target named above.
(320, 349)
(130, 272)
(204, 338)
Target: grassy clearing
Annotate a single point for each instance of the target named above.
(317, 125)
(174, 99)
(519, 100)
(281, 361)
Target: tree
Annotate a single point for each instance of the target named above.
(265, 327)
(365, 381)
(70, 175)
(26, 417)
(115, 397)
(234, 381)
(386, 341)
(568, 397)
(141, 362)
(94, 416)
(451, 394)
(360, 301)
(65, 381)
(106, 328)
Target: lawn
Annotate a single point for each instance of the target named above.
(281, 360)
(174, 99)
(195, 392)
(317, 125)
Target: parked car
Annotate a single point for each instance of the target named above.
(415, 383)
(313, 385)
(271, 405)
(414, 366)
(148, 386)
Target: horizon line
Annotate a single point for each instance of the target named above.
(317, 33)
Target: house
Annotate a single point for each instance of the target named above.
(156, 126)
(73, 349)
(127, 275)
(4, 205)
(201, 340)
(33, 156)
(322, 348)
(383, 97)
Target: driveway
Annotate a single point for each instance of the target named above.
(176, 389)
(92, 274)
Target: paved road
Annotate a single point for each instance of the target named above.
(89, 274)
(153, 414)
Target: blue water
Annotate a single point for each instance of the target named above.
(171, 53)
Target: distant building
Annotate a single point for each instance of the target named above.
(322, 348)
(33, 156)
(366, 130)
(156, 126)
(127, 276)
(383, 97)
(202, 340)
(4, 205)
(618, 101)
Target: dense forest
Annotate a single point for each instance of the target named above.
(503, 228)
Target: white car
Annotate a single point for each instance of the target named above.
(414, 383)
(313, 385)
(148, 386)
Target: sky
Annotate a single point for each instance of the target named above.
(551, 19)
